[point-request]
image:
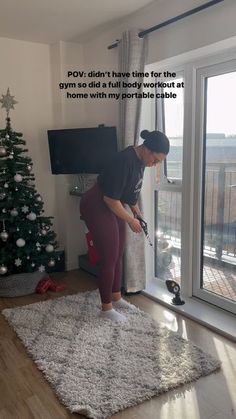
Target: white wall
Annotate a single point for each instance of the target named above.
(68, 113)
(25, 69)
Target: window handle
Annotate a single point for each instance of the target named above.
(168, 180)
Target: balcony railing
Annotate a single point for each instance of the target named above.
(219, 212)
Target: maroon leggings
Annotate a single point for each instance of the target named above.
(108, 233)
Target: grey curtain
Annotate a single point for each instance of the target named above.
(132, 52)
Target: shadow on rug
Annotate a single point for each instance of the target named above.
(98, 368)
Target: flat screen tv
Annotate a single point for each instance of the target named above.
(81, 150)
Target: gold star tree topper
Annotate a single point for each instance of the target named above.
(8, 101)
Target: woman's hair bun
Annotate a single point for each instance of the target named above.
(144, 134)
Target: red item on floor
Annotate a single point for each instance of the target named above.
(47, 284)
(57, 287)
(43, 285)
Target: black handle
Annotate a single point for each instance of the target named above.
(143, 224)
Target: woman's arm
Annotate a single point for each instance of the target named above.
(116, 206)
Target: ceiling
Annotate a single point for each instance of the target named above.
(50, 21)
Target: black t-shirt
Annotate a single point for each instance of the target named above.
(123, 176)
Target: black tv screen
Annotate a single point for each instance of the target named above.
(81, 150)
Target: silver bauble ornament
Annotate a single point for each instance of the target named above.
(32, 216)
(4, 210)
(3, 151)
(18, 177)
(17, 229)
(29, 167)
(4, 235)
(30, 231)
(51, 263)
(44, 232)
(49, 248)
(7, 136)
(2, 195)
(33, 265)
(14, 212)
(20, 242)
(3, 270)
(11, 157)
(39, 198)
(28, 257)
(6, 185)
(39, 249)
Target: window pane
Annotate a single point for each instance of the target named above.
(219, 214)
(168, 235)
(174, 111)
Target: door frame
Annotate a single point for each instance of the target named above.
(212, 68)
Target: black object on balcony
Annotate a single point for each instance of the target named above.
(174, 288)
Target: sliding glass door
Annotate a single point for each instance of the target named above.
(214, 267)
(194, 191)
(193, 219)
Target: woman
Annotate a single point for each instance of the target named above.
(102, 209)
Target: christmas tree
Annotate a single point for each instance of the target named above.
(27, 242)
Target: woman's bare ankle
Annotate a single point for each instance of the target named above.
(106, 307)
(116, 296)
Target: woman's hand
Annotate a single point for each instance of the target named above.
(118, 209)
(136, 211)
(135, 226)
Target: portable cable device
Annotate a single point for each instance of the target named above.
(145, 229)
(174, 288)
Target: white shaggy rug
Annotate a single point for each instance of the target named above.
(98, 368)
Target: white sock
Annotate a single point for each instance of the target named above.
(122, 304)
(113, 315)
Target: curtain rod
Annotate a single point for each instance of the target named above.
(169, 21)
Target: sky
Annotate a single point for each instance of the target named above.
(221, 105)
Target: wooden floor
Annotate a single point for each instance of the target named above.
(25, 394)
